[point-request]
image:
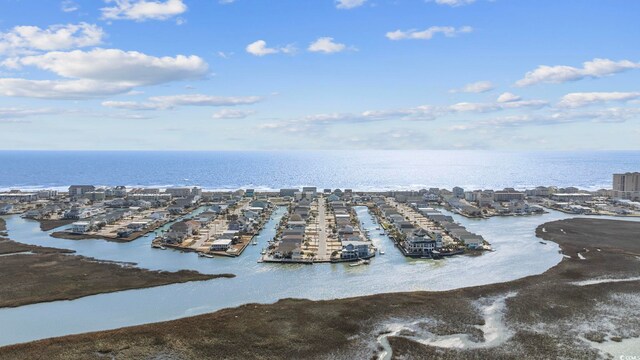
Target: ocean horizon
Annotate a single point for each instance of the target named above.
(363, 170)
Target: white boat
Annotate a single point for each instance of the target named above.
(381, 252)
(263, 252)
(209, 256)
(378, 228)
(255, 242)
(359, 262)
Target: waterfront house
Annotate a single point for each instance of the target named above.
(472, 241)
(355, 250)
(420, 244)
(81, 227)
(159, 215)
(182, 230)
(221, 245)
(175, 209)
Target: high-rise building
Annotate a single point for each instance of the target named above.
(626, 182)
(627, 185)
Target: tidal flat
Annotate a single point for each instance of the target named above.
(540, 316)
(32, 274)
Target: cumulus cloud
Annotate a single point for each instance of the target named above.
(476, 87)
(30, 39)
(448, 31)
(349, 4)
(99, 72)
(260, 48)
(172, 101)
(574, 100)
(141, 10)
(508, 97)
(595, 68)
(326, 45)
(232, 114)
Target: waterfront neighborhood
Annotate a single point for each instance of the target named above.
(317, 225)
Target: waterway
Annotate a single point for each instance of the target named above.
(518, 254)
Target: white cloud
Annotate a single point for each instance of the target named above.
(473, 107)
(69, 6)
(259, 48)
(59, 89)
(610, 115)
(232, 114)
(349, 4)
(595, 68)
(508, 97)
(172, 101)
(14, 113)
(116, 66)
(27, 39)
(454, 3)
(326, 45)
(99, 72)
(132, 105)
(574, 100)
(225, 2)
(141, 10)
(514, 103)
(448, 31)
(205, 100)
(476, 87)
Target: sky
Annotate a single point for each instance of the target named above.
(508, 75)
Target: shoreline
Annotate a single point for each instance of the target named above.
(49, 274)
(550, 300)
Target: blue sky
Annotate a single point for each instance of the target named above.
(319, 74)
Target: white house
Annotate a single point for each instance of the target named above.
(221, 245)
(80, 227)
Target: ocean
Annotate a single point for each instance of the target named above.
(359, 170)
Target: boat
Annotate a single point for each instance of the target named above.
(543, 243)
(378, 228)
(263, 252)
(255, 242)
(381, 252)
(382, 233)
(209, 256)
(359, 262)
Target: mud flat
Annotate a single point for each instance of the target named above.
(564, 312)
(46, 225)
(33, 274)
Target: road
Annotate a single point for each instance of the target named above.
(322, 231)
